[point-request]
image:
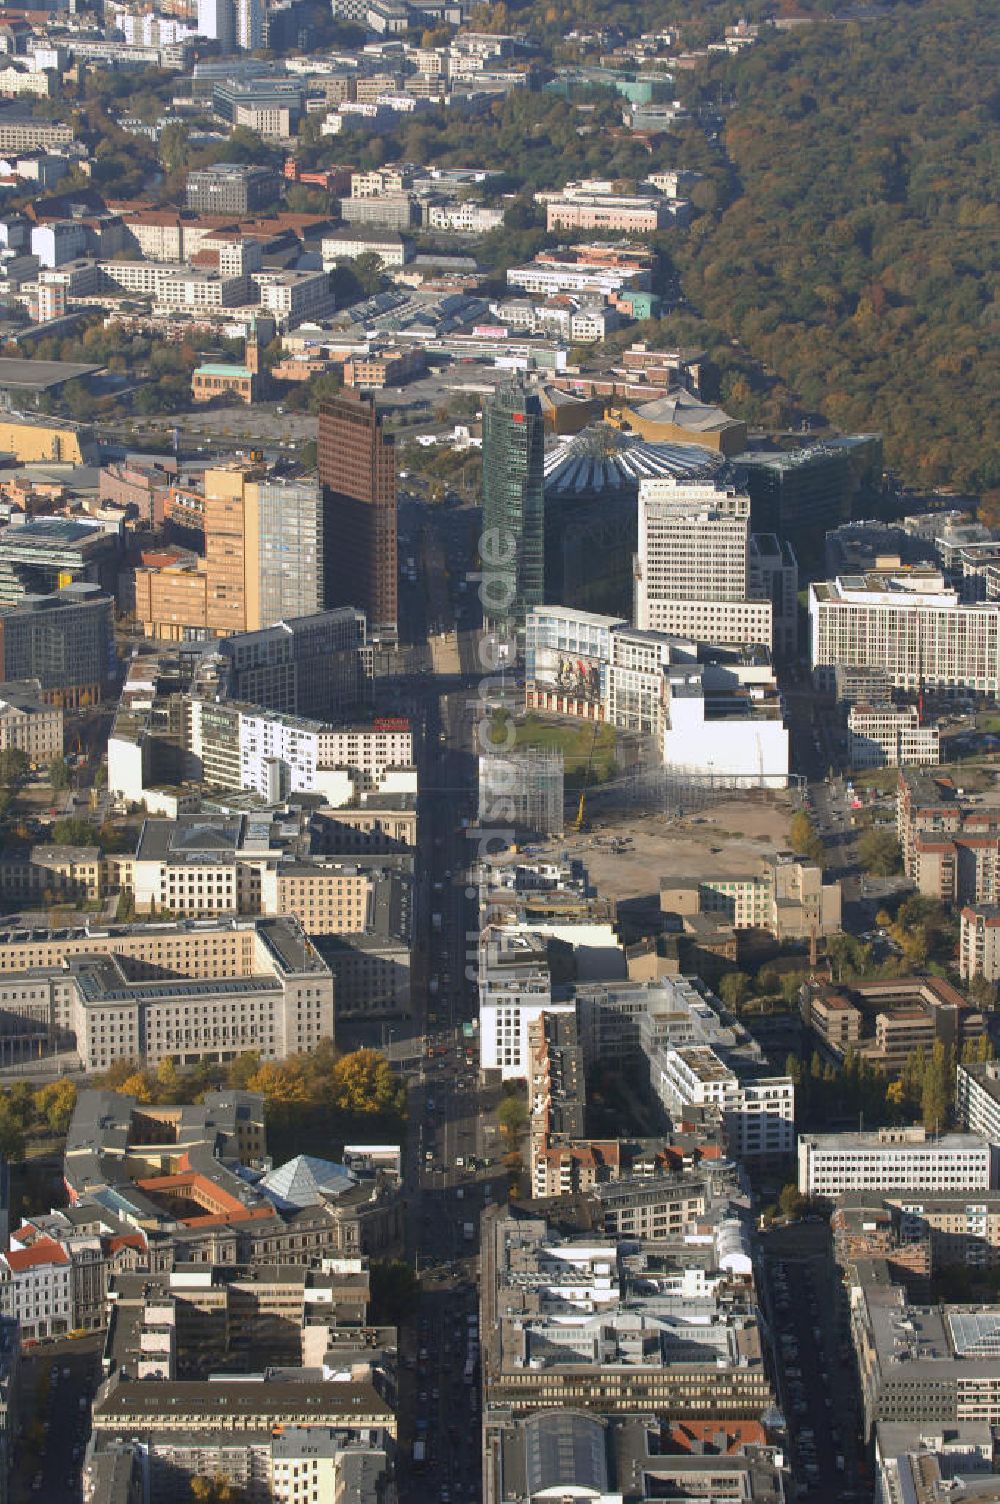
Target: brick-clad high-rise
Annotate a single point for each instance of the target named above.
(357, 469)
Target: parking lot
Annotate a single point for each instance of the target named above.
(814, 1362)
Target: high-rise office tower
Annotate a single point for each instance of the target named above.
(513, 509)
(251, 25)
(357, 469)
(263, 562)
(692, 569)
(263, 548)
(217, 20)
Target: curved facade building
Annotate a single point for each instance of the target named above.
(591, 511)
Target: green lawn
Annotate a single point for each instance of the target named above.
(575, 743)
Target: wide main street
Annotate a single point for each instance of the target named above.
(452, 1164)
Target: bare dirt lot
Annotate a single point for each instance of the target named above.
(727, 840)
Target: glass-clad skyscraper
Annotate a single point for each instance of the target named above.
(513, 509)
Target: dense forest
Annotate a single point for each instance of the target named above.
(843, 267)
(856, 256)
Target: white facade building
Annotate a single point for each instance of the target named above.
(758, 1113)
(295, 297)
(733, 734)
(694, 540)
(463, 218)
(977, 1099)
(721, 719)
(895, 1159)
(217, 20)
(693, 564)
(174, 288)
(909, 625)
(282, 754)
(637, 683)
(567, 655)
(574, 278)
(728, 623)
(349, 243)
(514, 990)
(890, 736)
(55, 244)
(36, 1288)
(251, 25)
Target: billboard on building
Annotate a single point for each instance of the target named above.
(574, 675)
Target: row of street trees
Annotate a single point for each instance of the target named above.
(924, 1089)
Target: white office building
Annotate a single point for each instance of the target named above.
(977, 1098)
(910, 625)
(720, 727)
(692, 571)
(567, 654)
(890, 736)
(282, 754)
(694, 540)
(514, 990)
(721, 718)
(758, 1112)
(894, 1159)
(251, 25)
(637, 682)
(217, 21)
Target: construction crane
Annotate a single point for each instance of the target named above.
(581, 810)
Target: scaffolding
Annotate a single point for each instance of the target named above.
(523, 790)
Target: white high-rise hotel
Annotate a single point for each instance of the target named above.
(693, 565)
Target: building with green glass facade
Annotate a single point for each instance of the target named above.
(513, 547)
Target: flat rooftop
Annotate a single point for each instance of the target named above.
(42, 375)
(844, 1143)
(227, 1399)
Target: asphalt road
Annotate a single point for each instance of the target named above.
(452, 1121)
(53, 1426)
(830, 807)
(456, 1129)
(814, 1372)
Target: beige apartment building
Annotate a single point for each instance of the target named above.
(171, 598)
(633, 214)
(786, 896)
(205, 865)
(50, 873)
(387, 368)
(950, 840)
(962, 1229)
(166, 234)
(979, 942)
(883, 1022)
(390, 824)
(21, 134)
(29, 725)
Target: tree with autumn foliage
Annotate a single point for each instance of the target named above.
(54, 1103)
(364, 1082)
(359, 1083)
(217, 1490)
(140, 1085)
